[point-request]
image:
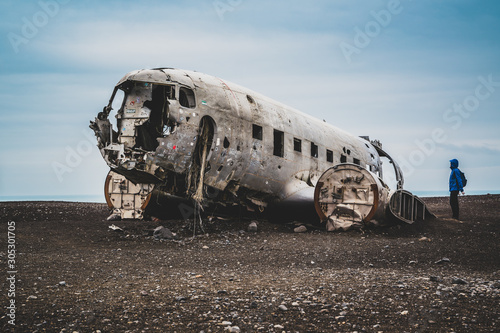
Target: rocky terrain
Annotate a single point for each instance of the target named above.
(73, 273)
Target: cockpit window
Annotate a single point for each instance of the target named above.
(186, 97)
(170, 92)
(119, 99)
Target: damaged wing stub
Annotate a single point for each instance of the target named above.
(348, 196)
(407, 207)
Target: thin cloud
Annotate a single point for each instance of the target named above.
(395, 90)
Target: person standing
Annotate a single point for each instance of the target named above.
(456, 186)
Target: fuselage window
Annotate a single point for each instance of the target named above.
(186, 97)
(314, 150)
(329, 156)
(297, 145)
(278, 149)
(356, 161)
(256, 132)
(170, 92)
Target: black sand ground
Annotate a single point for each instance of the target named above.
(74, 274)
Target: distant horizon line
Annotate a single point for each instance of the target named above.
(101, 199)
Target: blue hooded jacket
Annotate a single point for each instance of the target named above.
(455, 177)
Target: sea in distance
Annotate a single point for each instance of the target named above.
(100, 198)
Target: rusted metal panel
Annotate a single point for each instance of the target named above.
(349, 196)
(128, 200)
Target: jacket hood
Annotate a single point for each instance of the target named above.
(454, 163)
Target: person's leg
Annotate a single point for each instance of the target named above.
(454, 204)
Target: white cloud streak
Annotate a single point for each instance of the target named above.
(397, 91)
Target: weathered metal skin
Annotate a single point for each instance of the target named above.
(349, 196)
(258, 151)
(127, 200)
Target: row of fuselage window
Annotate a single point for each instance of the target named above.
(279, 145)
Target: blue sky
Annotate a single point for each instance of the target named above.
(423, 77)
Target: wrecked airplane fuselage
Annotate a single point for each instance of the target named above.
(192, 135)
